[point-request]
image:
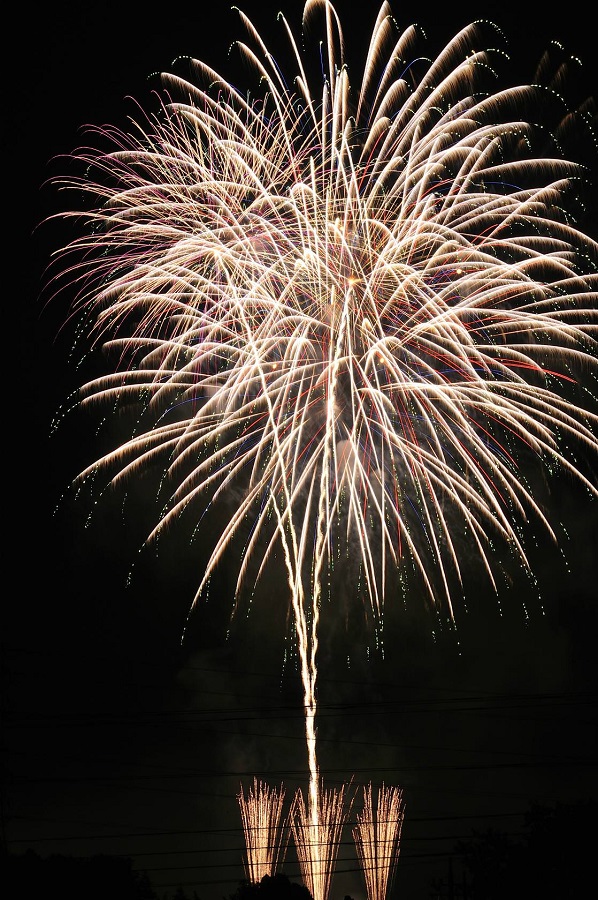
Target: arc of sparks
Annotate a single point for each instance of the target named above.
(360, 313)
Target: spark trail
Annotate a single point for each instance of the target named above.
(317, 837)
(377, 838)
(261, 815)
(363, 312)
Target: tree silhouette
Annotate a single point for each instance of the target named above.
(276, 887)
(552, 859)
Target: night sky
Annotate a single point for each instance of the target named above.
(119, 736)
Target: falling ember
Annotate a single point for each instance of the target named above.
(360, 314)
(377, 837)
(263, 827)
(317, 827)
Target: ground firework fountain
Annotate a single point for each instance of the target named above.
(377, 836)
(355, 310)
(317, 842)
(263, 827)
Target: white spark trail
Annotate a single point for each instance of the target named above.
(364, 315)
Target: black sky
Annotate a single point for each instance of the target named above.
(120, 739)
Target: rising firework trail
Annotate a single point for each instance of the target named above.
(361, 313)
(263, 827)
(377, 837)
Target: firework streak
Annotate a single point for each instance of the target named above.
(356, 309)
(317, 828)
(377, 837)
(263, 826)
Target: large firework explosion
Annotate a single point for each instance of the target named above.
(362, 312)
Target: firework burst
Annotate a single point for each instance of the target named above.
(355, 308)
(359, 311)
